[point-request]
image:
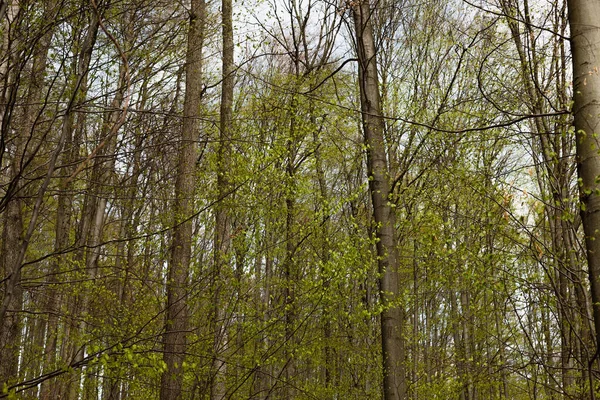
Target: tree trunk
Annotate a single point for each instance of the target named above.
(13, 294)
(392, 316)
(223, 209)
(328, 363)
(177, 276)
(585, 46)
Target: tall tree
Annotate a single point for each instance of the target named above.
(392, 315)
(181, 247)
(585, 46)
(223, 212)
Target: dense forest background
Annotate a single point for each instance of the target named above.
(294, 199)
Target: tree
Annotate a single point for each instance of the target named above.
(392, 316)
(585, 46)
(180, 223)
(176, 316)
(223, 211)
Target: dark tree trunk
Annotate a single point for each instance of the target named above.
(222, 263)
(392, 316)
(177, 275)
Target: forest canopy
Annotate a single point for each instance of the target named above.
(299, 199)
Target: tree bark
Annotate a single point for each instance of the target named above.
(585, 47)
(223, 210)
(392, 316)
(177, 276)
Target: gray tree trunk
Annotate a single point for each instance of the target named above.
(584, 17)
(222, 262)
(177, 276)
(392, 316)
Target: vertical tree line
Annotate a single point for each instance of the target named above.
(299, 199)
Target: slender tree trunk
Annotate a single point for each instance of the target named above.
(13, 294)
(328, 362)
(222, 263)
(177, 276)
(392, 316)
(585, 47)
(415, 323)
(289, 268)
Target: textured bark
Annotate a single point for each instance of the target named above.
(176, 325)
(585, 46)
(392, 316)
(13, 293)
(223, 210)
